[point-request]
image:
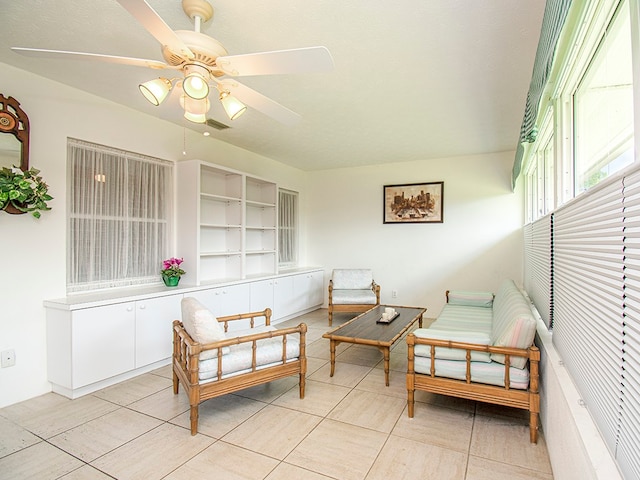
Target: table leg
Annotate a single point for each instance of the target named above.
(332, 349)
(420, 321)
(385, 352)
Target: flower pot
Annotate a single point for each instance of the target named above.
(171, 281)
(9, 208)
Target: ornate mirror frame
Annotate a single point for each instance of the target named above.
(14, 121)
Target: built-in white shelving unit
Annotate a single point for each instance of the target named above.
(235, 218)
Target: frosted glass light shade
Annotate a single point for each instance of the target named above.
(155, 91)
(232, 105)
(195, 82)
(195, 110)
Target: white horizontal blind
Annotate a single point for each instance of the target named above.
(538, 266)
(627, 452)
(588, 299)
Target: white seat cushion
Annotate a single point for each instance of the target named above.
(352, 279)
(239, 358)
(353, 297)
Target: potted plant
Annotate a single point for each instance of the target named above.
(23, 191)
(171, 271)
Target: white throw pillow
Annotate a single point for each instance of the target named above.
(201, 325)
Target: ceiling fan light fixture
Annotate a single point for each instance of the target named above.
(195, 117)
(195, 110)
(195, 82)
(156, 90)
(232, 105)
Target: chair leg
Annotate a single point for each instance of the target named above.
(302, 384)
(330, 316)
(194, 419)
(533, 427)
(176, 382)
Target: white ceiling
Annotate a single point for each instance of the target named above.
(413, 80)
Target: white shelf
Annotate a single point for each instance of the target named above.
(227, 222)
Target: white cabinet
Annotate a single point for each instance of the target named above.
(227, 223)
(98, 340)
(227, 300)
(154, 323)
(261, 295)
(283, 304)
(85, 346)
(297, 293)
(308, 290)
(103, 342)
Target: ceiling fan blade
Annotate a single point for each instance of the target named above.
(156, 26)
(61, 54)
(298, 60)
(261, 103)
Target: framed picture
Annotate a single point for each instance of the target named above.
(414, 203)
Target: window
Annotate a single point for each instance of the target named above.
(603, 108)
(541, 172)
(119, 207)
(287, 228)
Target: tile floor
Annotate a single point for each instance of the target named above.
(347, 427)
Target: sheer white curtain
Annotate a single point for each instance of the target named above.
(287, 228)
(119, 217)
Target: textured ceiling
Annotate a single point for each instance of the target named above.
(413, 80)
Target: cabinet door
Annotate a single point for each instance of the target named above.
(103, 342)
(227, 300)
(261, 295)
(307, 291)
(316, 293)
(283, 297)
(154, 322)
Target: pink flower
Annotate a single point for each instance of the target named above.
(171, 267)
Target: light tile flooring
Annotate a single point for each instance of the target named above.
(347, 427)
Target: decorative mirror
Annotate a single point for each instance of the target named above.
(14, 147)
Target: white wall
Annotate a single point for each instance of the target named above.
(33, 251)
(478, 245)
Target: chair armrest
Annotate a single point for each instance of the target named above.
(470, 298)
(376, 289)
(186, 352)
(243, 316)
(532, 354)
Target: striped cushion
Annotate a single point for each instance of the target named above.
(513, 323)
(489, 373)
(455, 336)
(464, 319)
(471, 299)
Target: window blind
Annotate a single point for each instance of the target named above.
(588, 285)
(629, 436)
(555, 14)
(538, 280)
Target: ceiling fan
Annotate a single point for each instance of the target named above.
(205, 65)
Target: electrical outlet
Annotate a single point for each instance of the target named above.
(394, 294)
(8, 358)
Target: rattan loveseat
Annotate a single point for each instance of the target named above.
(235, 360)
(479, 348)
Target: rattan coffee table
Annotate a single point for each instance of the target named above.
(363, 330)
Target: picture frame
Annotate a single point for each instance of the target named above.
(414, 203)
